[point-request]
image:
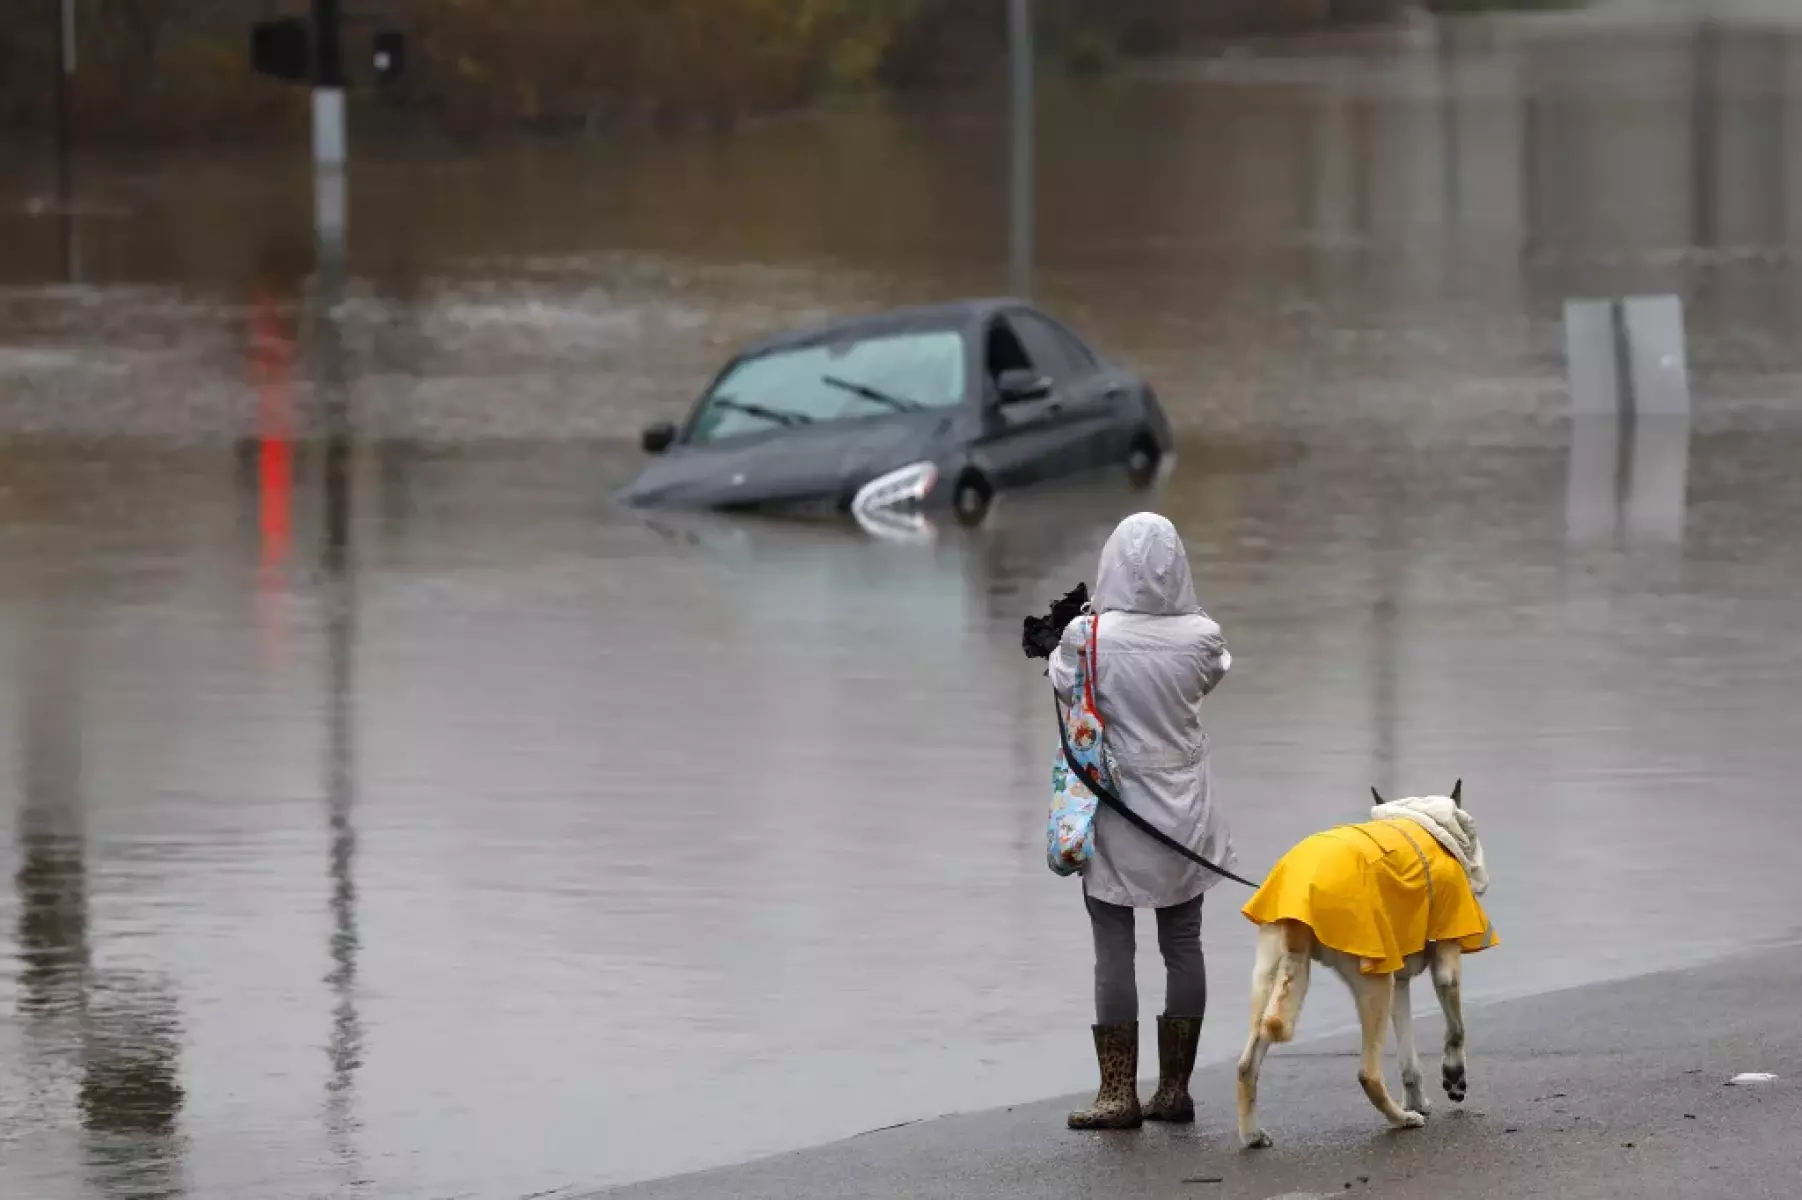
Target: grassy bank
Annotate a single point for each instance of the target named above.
(176, 70)
(1454, 8)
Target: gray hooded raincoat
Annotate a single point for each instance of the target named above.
(1159, 655)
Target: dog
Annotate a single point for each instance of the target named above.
(1379, 903)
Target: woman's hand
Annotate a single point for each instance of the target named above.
(1216, 661)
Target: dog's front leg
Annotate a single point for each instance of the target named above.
(1448, 975)
(1251, 1064)
(1376, 998)
(1406, 1050)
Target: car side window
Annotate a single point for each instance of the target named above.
(1051, 350)
(1074, 349)
(1003, 351)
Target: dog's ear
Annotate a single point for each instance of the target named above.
(1377, 794)
(1458, 793)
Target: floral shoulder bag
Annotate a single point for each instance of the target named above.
(1070, 828)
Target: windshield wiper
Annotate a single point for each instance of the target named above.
(776, 415)
(898, 403)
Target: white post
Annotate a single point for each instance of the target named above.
(329, 149)
(329, 155)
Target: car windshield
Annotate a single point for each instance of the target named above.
(860, 377)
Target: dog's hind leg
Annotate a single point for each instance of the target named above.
(1448, 975)
(1289, 946)
(1376, 998)
(1412, 1094)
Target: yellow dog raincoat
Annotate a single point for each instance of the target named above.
(1380, 891)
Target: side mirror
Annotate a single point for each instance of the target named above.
(1017, 385)
(657, 438)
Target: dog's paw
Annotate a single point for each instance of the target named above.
(1411, 1120)
(1455, 1083)
(1418, 1102)
(1258, 1140)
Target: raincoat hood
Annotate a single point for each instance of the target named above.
(1144, 569)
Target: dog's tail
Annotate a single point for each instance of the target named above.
(1290, 986)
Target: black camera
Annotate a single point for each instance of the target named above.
(1041, 635)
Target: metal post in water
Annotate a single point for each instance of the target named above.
(1020, 53)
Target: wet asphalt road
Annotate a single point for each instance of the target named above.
(1613, 1092)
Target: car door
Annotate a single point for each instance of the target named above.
(1089, 431)
(1037, 440)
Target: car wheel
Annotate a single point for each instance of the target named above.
(1142, 459)
(971, 498)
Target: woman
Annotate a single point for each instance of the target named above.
(1158, 654)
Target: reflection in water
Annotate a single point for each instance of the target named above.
(1628, 479)
(52, 881)
(131, 1092)
(1630, 420)
(118, 1026)
(339, 596)
(345, 1044)
(939, 587)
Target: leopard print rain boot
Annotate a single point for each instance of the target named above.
(1117, 1103)
(1177, 1039)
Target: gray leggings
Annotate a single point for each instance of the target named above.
(1185, 971)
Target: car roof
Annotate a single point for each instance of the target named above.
(956, 314)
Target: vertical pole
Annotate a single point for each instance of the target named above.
(329, 220)
(1020, 51)
(64, 71)
(1704, 135)
(330, 150)
(1452, 151)
(330, 217)
(66, 32)
(328, 83)
(65, 138)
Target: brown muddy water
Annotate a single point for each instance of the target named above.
(426, 826)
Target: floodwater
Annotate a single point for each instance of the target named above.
(387, 814)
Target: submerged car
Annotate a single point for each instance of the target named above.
(888, 417)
